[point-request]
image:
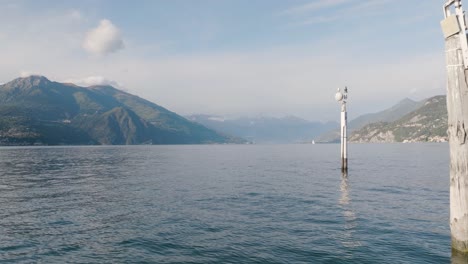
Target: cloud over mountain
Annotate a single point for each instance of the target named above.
(93, 80)
(104, 39)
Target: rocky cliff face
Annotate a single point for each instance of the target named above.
(428, 123)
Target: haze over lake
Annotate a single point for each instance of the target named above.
(225, 204)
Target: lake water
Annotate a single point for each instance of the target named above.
(225, 204)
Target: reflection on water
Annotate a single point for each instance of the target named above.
(350, 224)
(344, 199)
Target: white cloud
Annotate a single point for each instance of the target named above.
(75, 14)
(103, 39)
(93, 80)
(24, 74)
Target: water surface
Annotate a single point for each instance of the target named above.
(225, 204)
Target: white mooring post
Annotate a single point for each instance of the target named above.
(456, 52)
(342, 97)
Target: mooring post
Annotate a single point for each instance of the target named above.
(456, 51)
(342, 97)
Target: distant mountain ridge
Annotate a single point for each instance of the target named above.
(428, 123)
(288, 129)
(393, 113)
(35, 110)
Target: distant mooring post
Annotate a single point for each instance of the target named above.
(456, 51)
(342, 97)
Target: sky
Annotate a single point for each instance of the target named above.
(233, 58)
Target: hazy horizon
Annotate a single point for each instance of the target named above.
(233, 58)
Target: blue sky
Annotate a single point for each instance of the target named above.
(233, 57)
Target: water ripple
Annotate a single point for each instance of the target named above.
(224, 204)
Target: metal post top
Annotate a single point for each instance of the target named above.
(341, 96)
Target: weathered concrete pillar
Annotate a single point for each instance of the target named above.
(457, 107)
(456, 51)
(458, 257)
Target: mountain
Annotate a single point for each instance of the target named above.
(428, 123)
(393, 113)
(35, 110)
(287, 129)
